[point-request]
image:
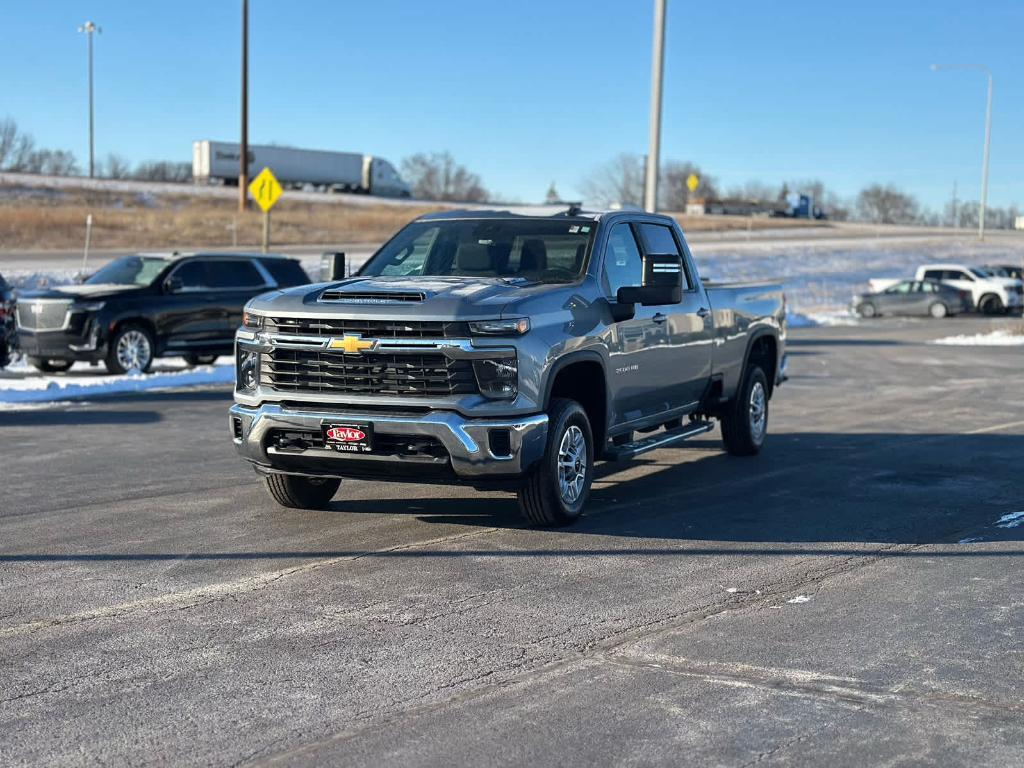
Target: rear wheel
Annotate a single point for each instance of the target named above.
(196, 359)
(556, 489)
(938, 310)
(867, 309)
(298, 492)
(745, 418)
(50, 366)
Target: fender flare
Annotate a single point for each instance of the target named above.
(580, 356)
(756, 336)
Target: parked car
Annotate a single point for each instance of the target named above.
(488, 348)
(7, 331)
(137, 308)
(992, 295)
(914, 297)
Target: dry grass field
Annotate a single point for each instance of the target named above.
(50, 220)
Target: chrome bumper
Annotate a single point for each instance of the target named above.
(466, 441)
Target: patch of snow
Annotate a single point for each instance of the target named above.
(39, 389)
(732, 590)
(1010, 521)
(998, 338)
(817, 319)
(799, 599)
(971, 540)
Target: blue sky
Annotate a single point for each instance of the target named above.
(532, 92)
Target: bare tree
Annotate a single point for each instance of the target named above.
(673, 192)
(753, 190)
(17, 149)
(115, 167)
(885, 204)
(620, 180)
(162, 170)
(8, 140)
(436, 176)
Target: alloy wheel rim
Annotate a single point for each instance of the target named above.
(758, 412)
(572, 464)
(133, 350)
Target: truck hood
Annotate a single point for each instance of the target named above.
(422, 298)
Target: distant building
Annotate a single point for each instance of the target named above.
(1018, 223)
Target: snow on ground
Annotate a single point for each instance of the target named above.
(997, 338)
(25, 387)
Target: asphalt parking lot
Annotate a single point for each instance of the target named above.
(848, 597)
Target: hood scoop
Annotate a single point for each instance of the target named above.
(342, 296)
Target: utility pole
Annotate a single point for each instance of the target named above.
(657, 70)
(243, 161)
(90, 28)
(988, 138)
(956, 219)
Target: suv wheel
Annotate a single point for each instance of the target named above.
(556, 489)
(745, 418)
(990, 304)
(50, 366)
(298, 492)
(130, 348)
(193, 358)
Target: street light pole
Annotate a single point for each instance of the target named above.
(90, 28)
(243, 161)
(988, 138)
(657, 70)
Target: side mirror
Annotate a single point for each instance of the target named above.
(332, 266)
(173, 285)
(662, 282)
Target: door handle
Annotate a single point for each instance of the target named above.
(659, 318)
(703, 312)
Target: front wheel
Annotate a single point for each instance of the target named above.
(296, 492)
(50, 366)
(991, 304)
(867, 309)
(745, 419)
(556, 489)
(130, 349)
(938, 310)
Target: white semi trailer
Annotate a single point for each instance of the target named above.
(217, 162)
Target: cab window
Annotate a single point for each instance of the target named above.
(226, 274)
(622, 265)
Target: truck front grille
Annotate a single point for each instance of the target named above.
(43, 315)
(320, 371)
(374, 329)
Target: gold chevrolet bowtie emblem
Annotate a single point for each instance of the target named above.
(352, 344)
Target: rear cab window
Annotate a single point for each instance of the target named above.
(226, 274)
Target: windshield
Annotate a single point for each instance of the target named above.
(538, 250)
(129, 270)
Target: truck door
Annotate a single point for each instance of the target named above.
(635, 346)
(189, 316)
(684, 361)
(234, 282)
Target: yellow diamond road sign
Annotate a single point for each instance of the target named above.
(692, 182)
(265, 190)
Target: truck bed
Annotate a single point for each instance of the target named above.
(739, 309)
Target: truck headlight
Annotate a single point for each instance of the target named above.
(88, 306)
(497, 378)
(251, 321)
(247, 369)
(514, 327)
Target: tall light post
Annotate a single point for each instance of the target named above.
(90, 28)
(243, 162)
(657, 69)
(988, 138)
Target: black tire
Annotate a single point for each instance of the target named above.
(50, 366)
(115, 363)
(540, 498)
(298, 492)
(738, 433)
(867, 309)
(193, 358)
(938, 310)
(990, 304)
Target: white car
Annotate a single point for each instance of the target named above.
(991, 294)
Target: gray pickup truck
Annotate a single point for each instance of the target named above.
(503, 350)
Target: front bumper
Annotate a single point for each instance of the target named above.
(81, 342)
(468, 443)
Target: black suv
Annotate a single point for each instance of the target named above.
(140, 307)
